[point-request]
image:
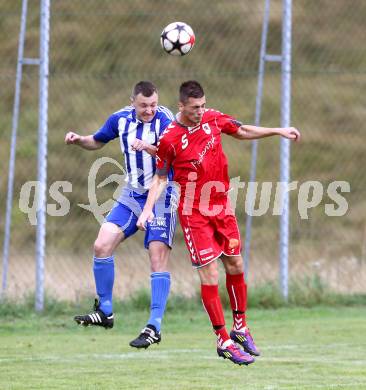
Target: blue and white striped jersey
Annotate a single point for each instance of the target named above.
(140, 166)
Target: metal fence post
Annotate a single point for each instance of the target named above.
(285, 144)
(9, 198)
(42, 152)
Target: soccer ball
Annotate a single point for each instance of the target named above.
(177, 39)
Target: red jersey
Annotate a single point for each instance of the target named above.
(195, 153)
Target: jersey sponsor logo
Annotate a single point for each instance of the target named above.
(158, 222)
(207, 258)
(163, 235)
(206, 128)
(202, 154)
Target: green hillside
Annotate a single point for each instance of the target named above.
(99, 49)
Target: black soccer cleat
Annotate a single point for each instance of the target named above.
(96, 318)
(149, 335)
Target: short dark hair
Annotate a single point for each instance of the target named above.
(190, 89)
(146, 88)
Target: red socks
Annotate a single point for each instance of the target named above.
(237, 290)
(212, 303)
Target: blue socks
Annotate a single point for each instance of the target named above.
(160, 286)
(104, 279)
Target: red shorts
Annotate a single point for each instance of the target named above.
(208, 237)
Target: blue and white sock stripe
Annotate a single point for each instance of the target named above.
(108, 259)
(160, 275)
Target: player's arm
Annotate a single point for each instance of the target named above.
(106, 133)
(86, 142)
(249, 132)
(158, 185)
(140, 145)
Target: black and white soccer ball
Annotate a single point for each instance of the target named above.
(177, 39)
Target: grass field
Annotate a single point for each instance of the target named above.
(317, 348)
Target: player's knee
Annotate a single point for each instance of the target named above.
(102, 249)
(213, 275)
(209, 274)
(237, 264)
(159, 262)
(159, 255)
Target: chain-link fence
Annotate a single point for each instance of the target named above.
(99, 49)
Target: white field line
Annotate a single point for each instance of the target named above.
(202, 354)
(353, 385)
(337, 386)
(116, 356)
(309, 346)
(315, 358)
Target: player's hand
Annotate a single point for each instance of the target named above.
(291, 133)
(146, 216)
(139, 145)
(72, 138)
